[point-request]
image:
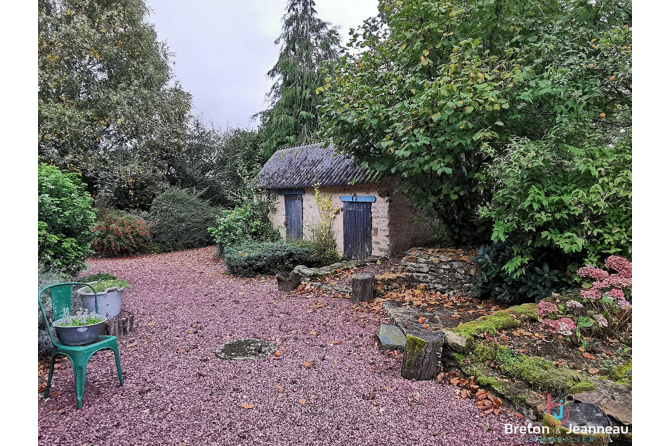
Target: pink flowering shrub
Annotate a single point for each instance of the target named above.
(120, 233)
(602, 308)
(544, 308)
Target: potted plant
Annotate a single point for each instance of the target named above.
(79, 329)
(110, 294)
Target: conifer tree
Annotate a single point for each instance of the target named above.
(308, 45)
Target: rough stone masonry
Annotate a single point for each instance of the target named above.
(440, 269)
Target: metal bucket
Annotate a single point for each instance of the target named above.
(78, 335)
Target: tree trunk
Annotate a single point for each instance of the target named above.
(423, 354)
(362, 287)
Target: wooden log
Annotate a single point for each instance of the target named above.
(287, 281)
(120, 325)
(423, 355)
(362, 287)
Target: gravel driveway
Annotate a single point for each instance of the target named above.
(330, 384)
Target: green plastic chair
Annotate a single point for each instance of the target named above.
(61, 298)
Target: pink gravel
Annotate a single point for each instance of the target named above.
(352, 394)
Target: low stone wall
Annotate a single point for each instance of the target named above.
(440, 269)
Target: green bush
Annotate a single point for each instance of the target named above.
(120, 233)
(251, 259)
(531, 283)
(576, 201)
(181, 220)
(246, 223)
(65, 219)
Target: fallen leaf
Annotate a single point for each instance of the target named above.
(151, 324)
(594, 371)
(307, 364)
(302, 401)
(588, 356)
(181, 350)
(523, 350)
(247, 406)
(277, 353)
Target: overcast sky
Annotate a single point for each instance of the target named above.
(224, 48)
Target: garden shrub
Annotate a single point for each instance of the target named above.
(321, 240)
(602, 309)
(576, 201)
(532, 283)
(120, 233)
(246, 223)
(253, 258)
(65, 219)
(181, 220)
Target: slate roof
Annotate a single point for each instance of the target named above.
(305, 166)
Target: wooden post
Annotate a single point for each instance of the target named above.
(423, 355)
(362, 287)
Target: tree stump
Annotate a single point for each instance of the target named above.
(362, 287)
(119, 325)
(423, 354)
(288, 281)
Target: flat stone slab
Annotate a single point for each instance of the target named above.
(585, 415)
(614, 399)
(246, 349)
(391, 337)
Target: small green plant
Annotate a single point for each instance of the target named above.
(96, 277)
(102, 285)
(79, 320)
(322, 238)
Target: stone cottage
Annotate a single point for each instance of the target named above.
(372, 219)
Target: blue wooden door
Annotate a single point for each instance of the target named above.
(293, 208)
(357, 225)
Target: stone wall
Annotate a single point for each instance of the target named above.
(440, 269)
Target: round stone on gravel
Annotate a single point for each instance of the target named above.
(245, 349)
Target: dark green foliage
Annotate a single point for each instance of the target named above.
(246, 223)
(181, 218)
(251, 259)
(308, 45)
(65, 219)
(440, 92)
(120, 233)
(530, 284)
(221, 164)
(46, 276)
(107, 107)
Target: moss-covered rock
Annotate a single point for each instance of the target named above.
(524, 312)
(583, 386)
(539, 372)
(502, 320)
(624, 375)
